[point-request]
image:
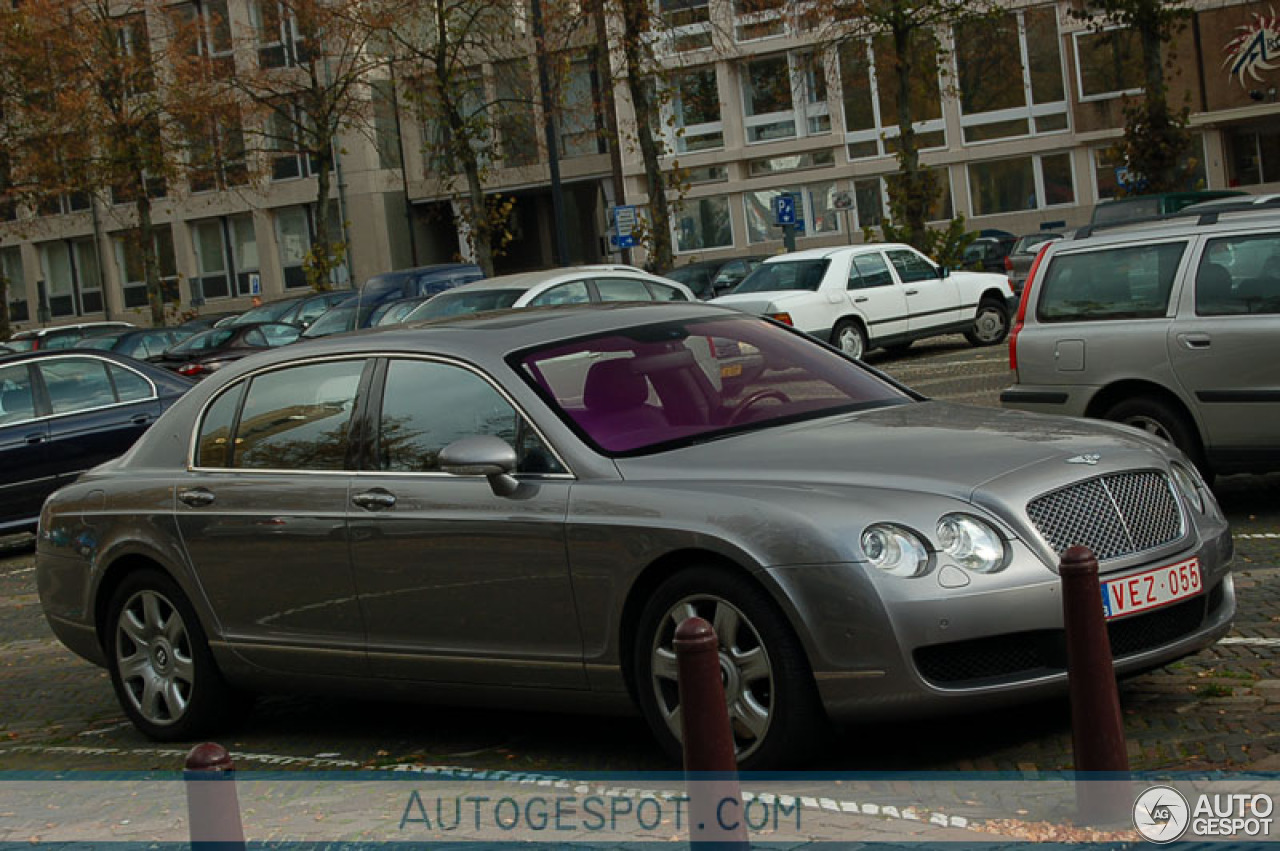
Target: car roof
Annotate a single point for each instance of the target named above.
(836, 251)
(529, 280)
(77, 326)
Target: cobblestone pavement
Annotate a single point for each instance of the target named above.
(1220, 708)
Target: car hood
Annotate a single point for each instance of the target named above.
(927, 447)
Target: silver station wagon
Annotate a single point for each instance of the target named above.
(518, 508)
(1172, 327)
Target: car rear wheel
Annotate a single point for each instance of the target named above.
(773, 704)
(849, 337)
(163, 673)
(990, 326)
(1160, 419)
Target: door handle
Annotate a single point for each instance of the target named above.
(34, 439)
(196, 497)
(860, 299)
(1195, 341)
(912, 292)
(140, 419)
(374, 500)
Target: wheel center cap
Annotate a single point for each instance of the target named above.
(160, 656)
(729, 677)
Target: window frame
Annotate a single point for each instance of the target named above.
(1037, 179)
(1081, 97)
(44, 403)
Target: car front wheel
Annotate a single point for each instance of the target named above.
(773, 706)
(163, 673)
(849, 337)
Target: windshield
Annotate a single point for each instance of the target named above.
(463, 302)
(265, 313)
(670, 384)
(204, 341)
(334, 321)
(102, 342)
(784, 275)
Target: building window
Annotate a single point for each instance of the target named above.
(129, 261)
(1110, 174)
(205, 30)
(706, 174)
(686, 24)
(756, 19)
(73, 278)
(871, 100)
(226, 250)
(692, 114)
(1010, 76)
(8, 206)
(1022, 183)
(135, 47)
(1253, 155)
(702, 223)
(16, 283)
(284, 139)
(871, 200)
(1108, 63)
(815, 211)
(581, 123)
(386, 129)
(293, 232)
(517, 124)
(784, 96)
(281, 41)
(467, 93)
(791, 162)
(216, 156)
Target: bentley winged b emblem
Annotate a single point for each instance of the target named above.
(1090, 458)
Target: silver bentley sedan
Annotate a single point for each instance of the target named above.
(517, 508)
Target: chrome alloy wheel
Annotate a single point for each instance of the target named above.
(153, 656)
(1151, 426)
(849, 339)
(745, 670)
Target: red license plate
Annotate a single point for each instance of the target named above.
(1151, 589)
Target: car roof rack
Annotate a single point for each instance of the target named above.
(1247, 204)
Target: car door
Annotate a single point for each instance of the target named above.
(1225, 343)
(873, 294)
(457, 584)
(932, 300)
(573, 292)
(97, 410)
(262, 515)
(26, 476)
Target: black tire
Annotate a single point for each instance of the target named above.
(793, 716)
(990, 324)
(193, 700)
(849, 338)
(1157, 417)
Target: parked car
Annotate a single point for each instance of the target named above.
(861, 551)
(205, 321)
(861, 297)
(1171, 327)
(1151, 206)
(64, 412)
(1023, 254)
(140, 343)
(209, 351)
(710, 278)
(311, 308)
(576, 285)
(270, 311)
(61, 336)
(336, 320)
(395, 312)
(988, 253)
(411, 283)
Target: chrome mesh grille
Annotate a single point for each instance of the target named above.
(1114, 515)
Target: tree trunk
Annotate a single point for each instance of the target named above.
(150, 264)
(322, 251)
(481, 227)
(641, 89)
(5, 329)
(913, 199)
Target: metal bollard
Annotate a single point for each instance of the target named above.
(213, 807)
(1097, 728)
(710, 764)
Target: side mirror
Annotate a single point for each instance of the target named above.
(482, 455)
(944, 272)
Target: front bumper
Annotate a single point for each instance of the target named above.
(946, 652)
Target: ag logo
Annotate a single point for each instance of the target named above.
(1161, 814)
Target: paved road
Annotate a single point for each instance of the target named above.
(1220, 708)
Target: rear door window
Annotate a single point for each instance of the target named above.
(1125, 282)
(869, 270)
(1239, 275)
(622, 289)
(298, 418)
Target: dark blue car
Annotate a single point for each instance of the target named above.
(64, 412)
(410, 283)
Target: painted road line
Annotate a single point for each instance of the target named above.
(180, 754)
(17, 572)
(1257, 536)
(1250, 641)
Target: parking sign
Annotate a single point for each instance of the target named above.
(784, 209)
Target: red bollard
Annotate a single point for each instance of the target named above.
(212, 804)
(1097, 728)
(715, 803)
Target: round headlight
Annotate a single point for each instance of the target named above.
(1189, 483)
(971, 543)
(895, 550)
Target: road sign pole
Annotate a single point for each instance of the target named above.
(789, 237)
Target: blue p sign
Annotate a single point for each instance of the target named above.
(784, 209)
